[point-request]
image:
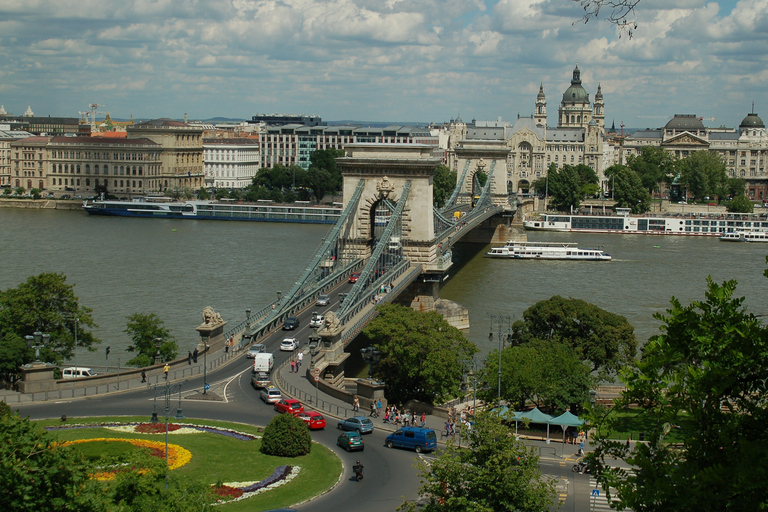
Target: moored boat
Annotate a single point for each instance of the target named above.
(547, 251)
(744, 236)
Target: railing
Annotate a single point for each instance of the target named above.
(314, 399)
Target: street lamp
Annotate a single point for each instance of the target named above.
(37, 340)
(158, 344)
(371, 356)
(166, 391)
(279, 296)
(504, 324)
(205, 365)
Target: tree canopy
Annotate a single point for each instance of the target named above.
(703, 174)
(706, 376)
(606, 340)
(495, 473)
(144, 329)
(740, 204)
(654, 166)
(443, 185)
(628, 190)
(46, 304)
(324, 174)
(421, 354)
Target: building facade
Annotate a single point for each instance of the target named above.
(6, 137)
(230, 162)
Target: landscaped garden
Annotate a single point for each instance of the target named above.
(224, 455)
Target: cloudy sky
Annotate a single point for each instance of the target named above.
(379, 60)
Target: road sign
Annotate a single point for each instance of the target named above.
(595, 492)
(317, 378)
(207, 387)
(316, 371)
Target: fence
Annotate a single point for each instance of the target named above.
(313, 399)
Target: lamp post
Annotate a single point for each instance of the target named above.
(371, 356)
(504, 324)
(205, 365)
(158, 344)
(166, 391)
(279, 296)
(37, 340)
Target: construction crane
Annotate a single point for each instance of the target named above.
(89, 116)
(670, 117)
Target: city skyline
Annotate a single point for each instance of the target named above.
(425, 61)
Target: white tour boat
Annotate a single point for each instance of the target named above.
(744, 236)
(547, 251)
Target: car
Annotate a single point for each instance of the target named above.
(351, 441)
(260, 380)
(257, 348)
(290, 405)
(323, 300)
(359, 424)
(78, 196)
(270, 395)
(413, 438)
(354, 277)
(314, 420)
(290, 323)
(289, 344)
(66, 196)
(316, 321)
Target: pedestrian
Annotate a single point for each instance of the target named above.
(373, 410)
(143, 376)
(629, 440)
(194, 356)
(301, 358)
(581, 445)
(386, 415)
(226, 346)
(293, 366)
(378, 407)
(356, 404)
(166, 369)
(189, 357)
(423, 419)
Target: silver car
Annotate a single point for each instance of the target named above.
(258, 348)
(323, 300)
(270, 395)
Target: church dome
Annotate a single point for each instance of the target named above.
(752, 121)
(683, 122)
(576, 93)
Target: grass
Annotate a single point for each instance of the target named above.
(220, 458)
(632, 422)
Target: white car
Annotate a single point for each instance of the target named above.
(289, 344)
(316, 321)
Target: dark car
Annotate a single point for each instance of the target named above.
(359, 424)
(290, 323)
(351, 441)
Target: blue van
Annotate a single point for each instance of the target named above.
(413, 438)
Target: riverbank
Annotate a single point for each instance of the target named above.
(42, 204)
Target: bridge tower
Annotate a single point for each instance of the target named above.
(386, 168)
(489, 157)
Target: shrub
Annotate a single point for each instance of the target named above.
(286, 436)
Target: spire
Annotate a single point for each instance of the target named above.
(540, 96)
(576, 76)
(599, 94)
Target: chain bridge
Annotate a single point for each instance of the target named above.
(392, 236)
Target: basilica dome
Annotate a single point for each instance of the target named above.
(576, 93)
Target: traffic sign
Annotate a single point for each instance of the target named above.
(317, 378)
(316, 371)
(207, 387)
(595, 492)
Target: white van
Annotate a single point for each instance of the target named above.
(263, 362)
(76, 371)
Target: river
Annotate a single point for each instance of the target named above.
(175, 268)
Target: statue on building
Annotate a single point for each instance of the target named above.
(210, 317)
(331, 321)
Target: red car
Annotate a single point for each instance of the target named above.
(354, 277)
(290, 405)
(314, 420)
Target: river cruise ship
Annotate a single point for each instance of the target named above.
(745, 236)
(547, 251)
(265, 211)
(693, 224)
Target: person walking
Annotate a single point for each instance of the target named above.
(166, 369)
(423, 419)
(356, 404)
(293, 366)
(189, 357)
(194, 356)
(373, 410)
(143, 376)
(378, 407)
(301, 358)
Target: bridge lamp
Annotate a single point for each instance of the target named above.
(158, 344)
(371, 356)
(37, 340)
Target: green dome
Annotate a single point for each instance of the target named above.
(576, 93)
(752, 121)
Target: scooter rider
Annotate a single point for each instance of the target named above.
(358, 469)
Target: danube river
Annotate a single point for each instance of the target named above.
(175, 268)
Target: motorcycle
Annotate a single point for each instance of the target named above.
(581, 467)
(358, 470)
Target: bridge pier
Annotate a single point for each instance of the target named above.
(496, 230)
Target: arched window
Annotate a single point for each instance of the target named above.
(140, 171)
(87, 169)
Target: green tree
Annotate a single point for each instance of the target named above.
(590, 183)
(324, 174)
(495, 473)
(653, 166)
(286, 436)
(627, 189)
(144, 329)
(564, 187)
(604, 339)
(740, 204)
(733, 187)
(443, 185)
(708, 374)
(703, 174)
(550, 375)
(45, 303)
(422, 354)
(203, 194)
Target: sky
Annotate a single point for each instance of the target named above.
(380, 60)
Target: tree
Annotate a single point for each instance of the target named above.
(47, 304)
(707, 373)
(654, 166)
(703, 174)
(144, 329)
(604, 339)
(618, 12)
(203, 194)
(551, 375)
(628, 190)
(590, 183)
(740, 204)
(565, 186)
(324, 174)
(286, 436)
(443, 184)
(421, 354)
(496, 473)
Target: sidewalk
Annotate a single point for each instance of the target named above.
(299, 386)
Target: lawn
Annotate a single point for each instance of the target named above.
(632, 423)
(220, 458)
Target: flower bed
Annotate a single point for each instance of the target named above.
(282, 475)
(177, 456)
(159, 428)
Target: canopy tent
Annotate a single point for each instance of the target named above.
(566, 420)
(536, 416)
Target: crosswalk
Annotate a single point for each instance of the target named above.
(582, 499)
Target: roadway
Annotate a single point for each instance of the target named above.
(390, 474)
